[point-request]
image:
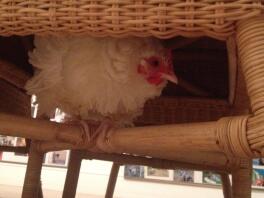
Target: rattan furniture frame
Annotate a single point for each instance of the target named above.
(227, 145)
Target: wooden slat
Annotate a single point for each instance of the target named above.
(16, 149)
(12, 74)
(71, 182)
(13, 100)
(112, 180)
(32, 186)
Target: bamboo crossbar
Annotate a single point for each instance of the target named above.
(38, 129)
(152, 162)
(72, 133)
(208, 143)
(180, 137)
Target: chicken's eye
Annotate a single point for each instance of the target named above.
(155, 63)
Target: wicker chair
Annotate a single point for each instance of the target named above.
(226, 146)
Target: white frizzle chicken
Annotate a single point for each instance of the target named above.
(93, 78)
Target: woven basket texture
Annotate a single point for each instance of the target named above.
(160, 18)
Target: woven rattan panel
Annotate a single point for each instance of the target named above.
(161, 18)
(166, 110)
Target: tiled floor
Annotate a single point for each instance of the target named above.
(15, 192)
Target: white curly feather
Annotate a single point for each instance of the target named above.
(92, 77)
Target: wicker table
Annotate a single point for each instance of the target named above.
(226, 146)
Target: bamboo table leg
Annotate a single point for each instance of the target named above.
(72, 177)
(40, 193)
(227, 189)
(241, 181)
(112, 180)
(32, 179)
(250, 42)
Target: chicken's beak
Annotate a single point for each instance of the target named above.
(170, 77)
